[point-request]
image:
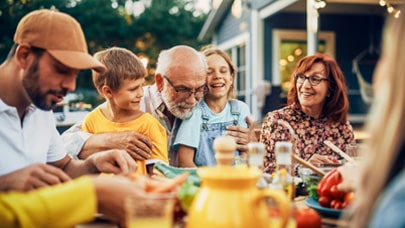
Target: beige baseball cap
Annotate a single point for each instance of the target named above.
(60, 35)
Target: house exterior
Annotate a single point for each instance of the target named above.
(267, 37)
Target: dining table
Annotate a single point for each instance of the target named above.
(299, 202)
(327, 221)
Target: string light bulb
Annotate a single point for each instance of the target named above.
(397, 13)
(390, 9)
(382, 3)
(319, 4)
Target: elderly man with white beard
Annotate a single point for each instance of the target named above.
(180, 83)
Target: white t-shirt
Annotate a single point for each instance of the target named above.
(35, 140)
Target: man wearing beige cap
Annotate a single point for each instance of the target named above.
(42, 66)
(49, 51)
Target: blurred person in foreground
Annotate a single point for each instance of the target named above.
(121, 86)
(380, 195)
(70, 203)
(35, 171)
(217, 110)
(317, 111)
(49, 51)
(180, 83)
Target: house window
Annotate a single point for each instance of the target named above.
(238, 55)
(289, 46)
(292, 51)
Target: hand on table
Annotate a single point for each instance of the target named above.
(32, 177)
(317, 159)
(113, 161)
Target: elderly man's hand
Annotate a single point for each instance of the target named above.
(137, 145)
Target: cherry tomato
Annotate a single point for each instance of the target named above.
(324, 201)
(333, 203)
(336, 204)
(344, 204)
(336, 193)
(307, 218)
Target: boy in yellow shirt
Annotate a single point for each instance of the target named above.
(122, 87)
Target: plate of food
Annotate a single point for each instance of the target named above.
(324, 211)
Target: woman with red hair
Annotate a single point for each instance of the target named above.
(317, 110)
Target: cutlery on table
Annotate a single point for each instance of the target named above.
(338, 150)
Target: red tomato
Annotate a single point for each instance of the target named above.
(336, 193)
(324, 201)
(307, 218)
(333, 203)
(344, 204)
(336, 204)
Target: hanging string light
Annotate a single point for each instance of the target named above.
(390, 8)
(319, 4)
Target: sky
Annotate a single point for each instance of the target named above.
(137, 7)
(204, 5)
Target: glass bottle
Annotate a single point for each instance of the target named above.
(282, 178)
(255, 159)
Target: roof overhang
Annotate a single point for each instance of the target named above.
(214, 18)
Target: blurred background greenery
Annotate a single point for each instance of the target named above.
(142, 26)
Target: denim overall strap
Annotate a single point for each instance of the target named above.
(205, 154)
(204, 115)
(235, 110)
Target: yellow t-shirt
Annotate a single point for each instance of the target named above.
(54, 206)
(95, 122)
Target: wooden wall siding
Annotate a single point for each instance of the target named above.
(231, 26)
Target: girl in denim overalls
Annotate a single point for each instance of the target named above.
(217, 111)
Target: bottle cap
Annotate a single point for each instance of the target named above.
(283, 146)
(283, 152)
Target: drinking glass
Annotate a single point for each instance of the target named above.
(150, 211)
(352, 150)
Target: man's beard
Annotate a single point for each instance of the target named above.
(32, 88)
(181, 110)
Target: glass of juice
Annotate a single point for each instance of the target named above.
(150, 211)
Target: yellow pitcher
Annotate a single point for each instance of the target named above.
(228, 197)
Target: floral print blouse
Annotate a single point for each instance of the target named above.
(310, 134)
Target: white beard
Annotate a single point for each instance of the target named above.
(180, 110)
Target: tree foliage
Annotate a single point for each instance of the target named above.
(107, 23)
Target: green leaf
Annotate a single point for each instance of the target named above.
(187, 194)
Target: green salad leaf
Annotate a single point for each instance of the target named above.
(186, 194)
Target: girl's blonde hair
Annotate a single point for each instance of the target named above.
(385, 124)
(211, 50)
